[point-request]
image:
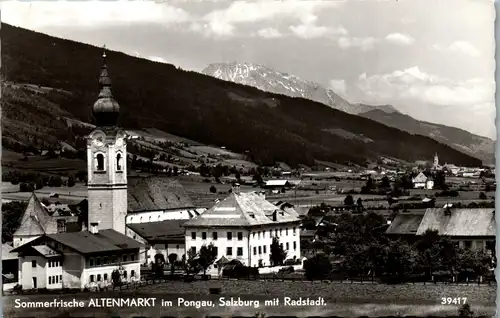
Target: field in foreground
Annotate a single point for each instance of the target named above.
(347, 300)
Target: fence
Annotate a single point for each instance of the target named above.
(145, 281)
(489, 280)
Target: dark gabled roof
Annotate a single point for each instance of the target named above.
(87, 243)
(405, 224)
(159, 231)
(156, 193)
(459, 222)
(35, 220)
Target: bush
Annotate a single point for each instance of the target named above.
(317, 267)
(213, 189)
(26, 187)
(71, 181)
(238, 271)
(448, 193)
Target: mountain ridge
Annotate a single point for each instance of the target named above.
(270, 80)
(269, 127)
(460, 139)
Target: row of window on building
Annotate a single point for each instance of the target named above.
(53, 264)
(260, 234)
(106, 277)
(262, 249)
(98, 261)
(239, 250)
(55, 279)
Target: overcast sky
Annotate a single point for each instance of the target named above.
(431, 59)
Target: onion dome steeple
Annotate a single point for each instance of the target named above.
(105, 110)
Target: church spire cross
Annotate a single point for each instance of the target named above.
(104, 55)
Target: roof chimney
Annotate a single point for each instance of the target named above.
(94, 228)
(236, 188)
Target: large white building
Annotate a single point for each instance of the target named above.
(55, 258)
(242, 226)
(157, 208)
(157, 199)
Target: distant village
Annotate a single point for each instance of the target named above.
(130, 227)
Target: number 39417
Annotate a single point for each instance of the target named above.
(453, 301)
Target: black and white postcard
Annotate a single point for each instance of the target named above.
(293, 158)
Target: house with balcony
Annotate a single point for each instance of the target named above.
(242, 226)
(78, 260)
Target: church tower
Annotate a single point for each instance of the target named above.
(436, 161)
(107, 161)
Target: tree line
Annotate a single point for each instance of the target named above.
(364, 249)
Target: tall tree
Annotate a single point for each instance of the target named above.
(207, 256)
(349, 200)
(278, 255)
(172, 258)
(11, 218)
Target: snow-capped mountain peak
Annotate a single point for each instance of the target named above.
(270, 80)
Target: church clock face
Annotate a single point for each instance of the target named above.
(98, 142)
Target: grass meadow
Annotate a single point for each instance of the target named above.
(342, 299)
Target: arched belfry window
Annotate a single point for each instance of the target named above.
(119, 162)
(100, 162)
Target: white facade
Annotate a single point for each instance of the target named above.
(75, 270)
(40, 272)
(429, 185)
(20, 240)
(251, 246)
(107, 179)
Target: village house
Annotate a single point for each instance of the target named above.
(278, 184)
(37, 221)
(421, 181)
(469, 228)
(78, 260)
(49, 255)
(242, 227)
